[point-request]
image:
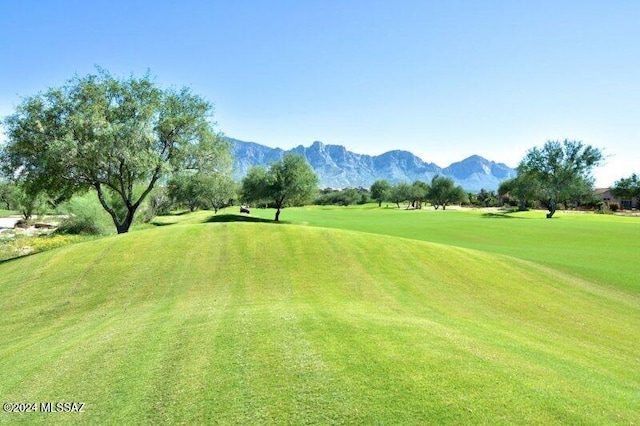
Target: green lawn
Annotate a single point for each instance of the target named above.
(600, 248)
(239, 322)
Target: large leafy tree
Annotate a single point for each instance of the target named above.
(219, 191)
(559, 171)
(399, 193)
(185, 190)
(380, 191)
(486, 198)
(201, 190)
(443, 192)
(419, 193)
(521, 188)
(290, 181)
(116, 136)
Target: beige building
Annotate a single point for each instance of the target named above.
(625, 204)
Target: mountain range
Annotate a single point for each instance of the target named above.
(337, 167)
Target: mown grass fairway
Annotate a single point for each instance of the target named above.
(599, 248)
(233, 322)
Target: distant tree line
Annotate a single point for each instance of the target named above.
(342, 197)
(440, 192)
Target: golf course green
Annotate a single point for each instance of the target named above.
(359, 315)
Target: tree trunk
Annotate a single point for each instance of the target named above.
(278, 214)
(379, 204)
(552, 209)
(123, 227)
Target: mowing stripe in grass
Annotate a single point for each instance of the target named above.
(262, 323)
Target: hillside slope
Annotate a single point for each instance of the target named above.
(256, 322)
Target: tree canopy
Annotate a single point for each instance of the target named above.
(557, 172)
(399, 193)
(443, 192)
(290, 181)
(380, 191)
(627, 188)
(419, 193)
(116, 136)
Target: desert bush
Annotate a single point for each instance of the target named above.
(80, 225)
(159, 202)
(48, 242)
(342, 197)
(84, 216)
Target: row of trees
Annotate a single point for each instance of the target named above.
(382, 190)
(198, 190)
(342, 197)
(558, 172)
(441, 192)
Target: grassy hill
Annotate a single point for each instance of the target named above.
(234, 322)
(598, 248)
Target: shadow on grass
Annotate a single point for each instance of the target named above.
(171, 214)
(155, 223)
(12, 259)
(502, 215)
(237, 218)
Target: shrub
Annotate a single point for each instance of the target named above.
(80, 225)
(48, 242)
(158, 203)
(85, 216)
(614, 207)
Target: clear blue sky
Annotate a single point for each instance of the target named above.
(443, 79)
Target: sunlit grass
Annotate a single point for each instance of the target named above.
(600, 248)
(261, 323)
(18, 246)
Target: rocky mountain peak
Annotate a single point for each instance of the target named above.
(338, 167)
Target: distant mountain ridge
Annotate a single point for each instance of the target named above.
(338, 167)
